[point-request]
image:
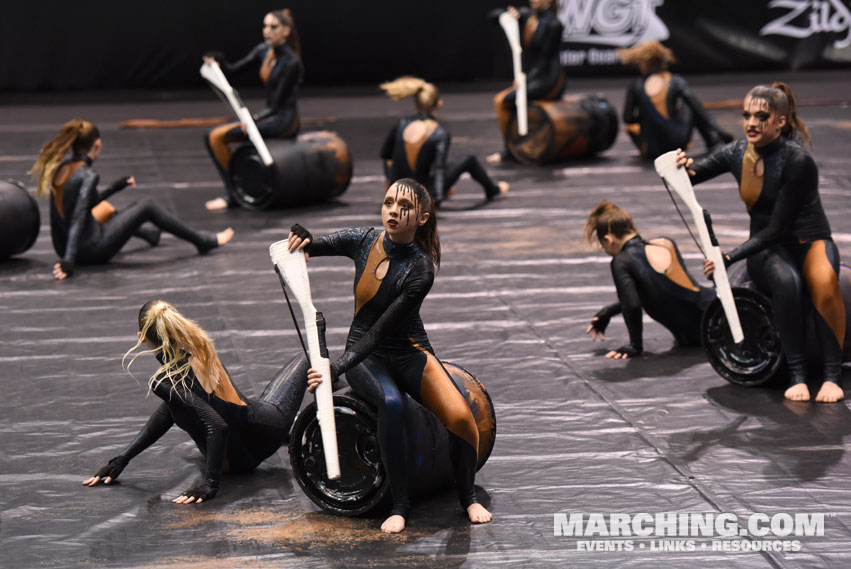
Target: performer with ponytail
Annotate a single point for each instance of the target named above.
(233, 432)
(78, 237)
(418, 146)
(281, 70)
(540, 37)
(648, 275)
(660, 109)
(387, 352)
(790, 249)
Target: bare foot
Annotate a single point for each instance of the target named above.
(503, 187)
(218, 204)
(393, 524)
(495, 158)
(798, 392)
(478, 514)
(225, 236)
(829, 393)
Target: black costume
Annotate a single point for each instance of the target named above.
(388, 354)
(426, 160)
(281, 70)
(79, 238)
(790, 246)
(666, 120)
(232, 437)
(672, 298)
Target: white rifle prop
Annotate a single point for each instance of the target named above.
(512, 32)
(213, 74)
(292, 270)
(677, 179)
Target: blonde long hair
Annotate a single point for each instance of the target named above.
(76, 134)
(426, 93)
(650, 53)
(176, 338)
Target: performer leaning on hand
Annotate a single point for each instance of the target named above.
(648, 275)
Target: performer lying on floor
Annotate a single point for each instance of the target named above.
(388, 352)
(540, 38)
(790, 249)
(77, 236)
(281, 69)
(418, 146)
(233, 432)
(649, 276)
(660, 109)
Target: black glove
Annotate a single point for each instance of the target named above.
(602, 318)
(67, 268)
(113, 468)
(629, 351)
(202, 489)
(217, 55)
(300, 231)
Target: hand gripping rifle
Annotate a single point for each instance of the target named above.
(512, 32)
(677, 179)
(292, 271)
(213, 74)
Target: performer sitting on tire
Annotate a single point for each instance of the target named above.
(281, 69)
(790, 249)
(648, 275)
(660, 109)
(540, 37)
(387, 351)
(418, 146)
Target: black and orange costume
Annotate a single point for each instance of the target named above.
(426, 160)
(665, 121)
(388, 353)
(673, 298)
(281, 71)
(790, 249)
(80, 238)
(233, 432)
(540, 38)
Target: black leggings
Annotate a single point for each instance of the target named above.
(384, 383)
(471, 165)
(125, 224)
(788, 272)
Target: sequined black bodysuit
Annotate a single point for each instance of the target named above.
(672, 298)
(790, 250)
(388, 354)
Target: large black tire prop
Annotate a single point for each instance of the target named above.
(758, 358)
(19, 219)
(363, 488)
(314, 168)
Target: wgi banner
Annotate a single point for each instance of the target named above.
(710, 35)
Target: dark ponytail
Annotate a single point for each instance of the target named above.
(285, 17)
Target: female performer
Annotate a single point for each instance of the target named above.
(233, 432)
(418, 146)
(660, 110)
(281, 69)
(77, 236)
(648, 275)
(540, 37)
(387, 352)
(790, 247)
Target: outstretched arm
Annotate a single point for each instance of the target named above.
(631, 307)
(159, 423)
